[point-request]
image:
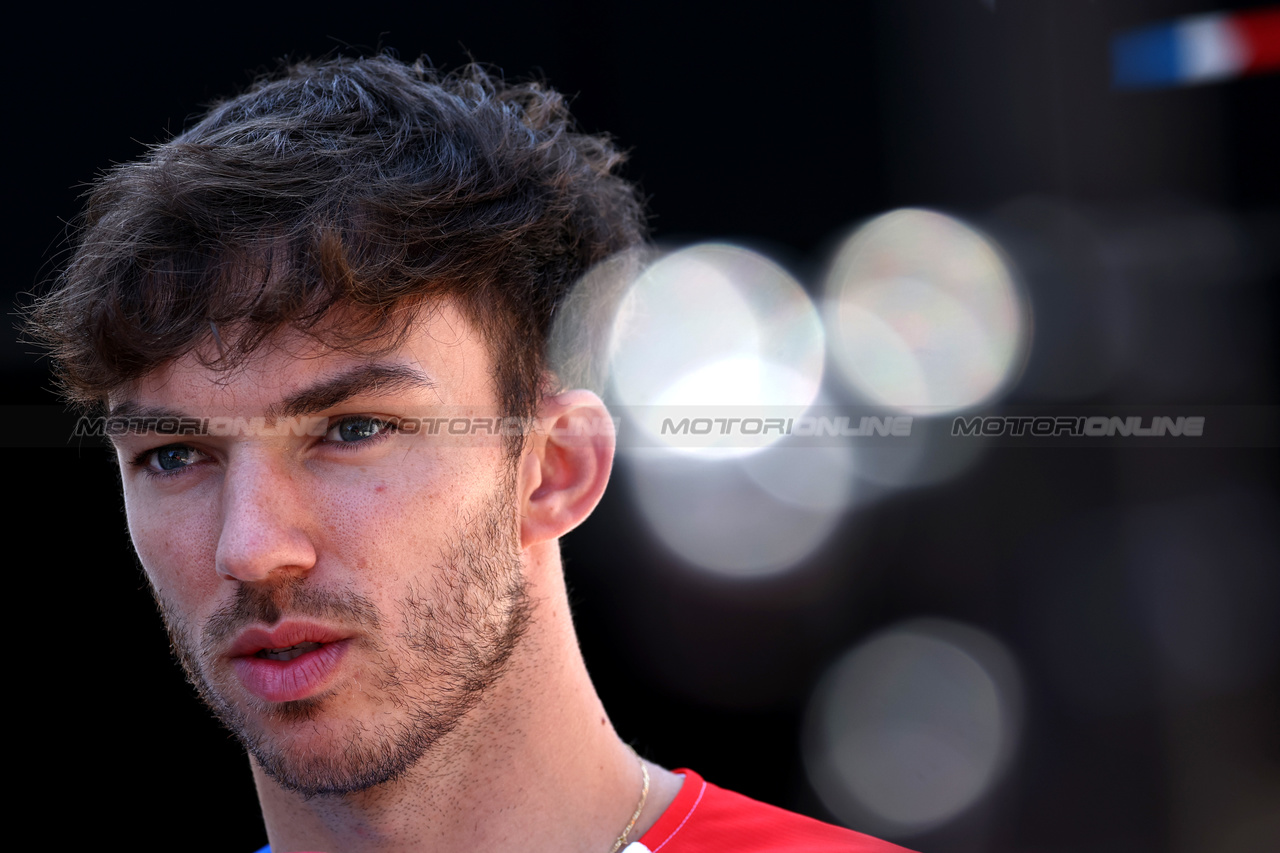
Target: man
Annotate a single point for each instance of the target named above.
(301, 308)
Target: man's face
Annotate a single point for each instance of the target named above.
(340, 597)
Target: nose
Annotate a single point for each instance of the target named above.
(265, 522)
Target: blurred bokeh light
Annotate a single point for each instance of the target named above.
(912, 727)
(715, 330)
(924, 315)
(929, 458)
(744, 516)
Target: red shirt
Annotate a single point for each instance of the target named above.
(707, 819)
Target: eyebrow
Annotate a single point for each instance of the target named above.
(363, 380)
(366, 380)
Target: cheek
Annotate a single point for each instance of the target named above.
(397, 522)
(371, 522)
(174, 545)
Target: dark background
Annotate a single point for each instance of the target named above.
(781, 129)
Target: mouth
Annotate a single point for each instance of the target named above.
(288, 653)
(294, 660)
(286, 641)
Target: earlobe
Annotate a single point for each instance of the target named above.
(566, 466)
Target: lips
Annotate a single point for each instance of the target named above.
(289, 653)
(294, 660)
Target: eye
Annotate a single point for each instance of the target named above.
(173, 457)
(357, 429)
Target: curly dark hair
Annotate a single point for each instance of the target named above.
(368, 185)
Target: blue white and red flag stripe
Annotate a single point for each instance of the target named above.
(1197, 49)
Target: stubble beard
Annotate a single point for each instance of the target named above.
(454, 643)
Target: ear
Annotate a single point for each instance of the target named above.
(566, 465)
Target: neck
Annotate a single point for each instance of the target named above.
(536, 765)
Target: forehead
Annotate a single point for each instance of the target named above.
(442, 360)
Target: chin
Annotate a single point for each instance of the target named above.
(326, 761)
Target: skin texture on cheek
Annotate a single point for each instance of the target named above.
(167, 536)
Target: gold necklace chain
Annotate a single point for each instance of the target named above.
(644, 795)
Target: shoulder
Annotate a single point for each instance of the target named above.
(705, 818)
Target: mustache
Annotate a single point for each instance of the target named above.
(254, 605)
